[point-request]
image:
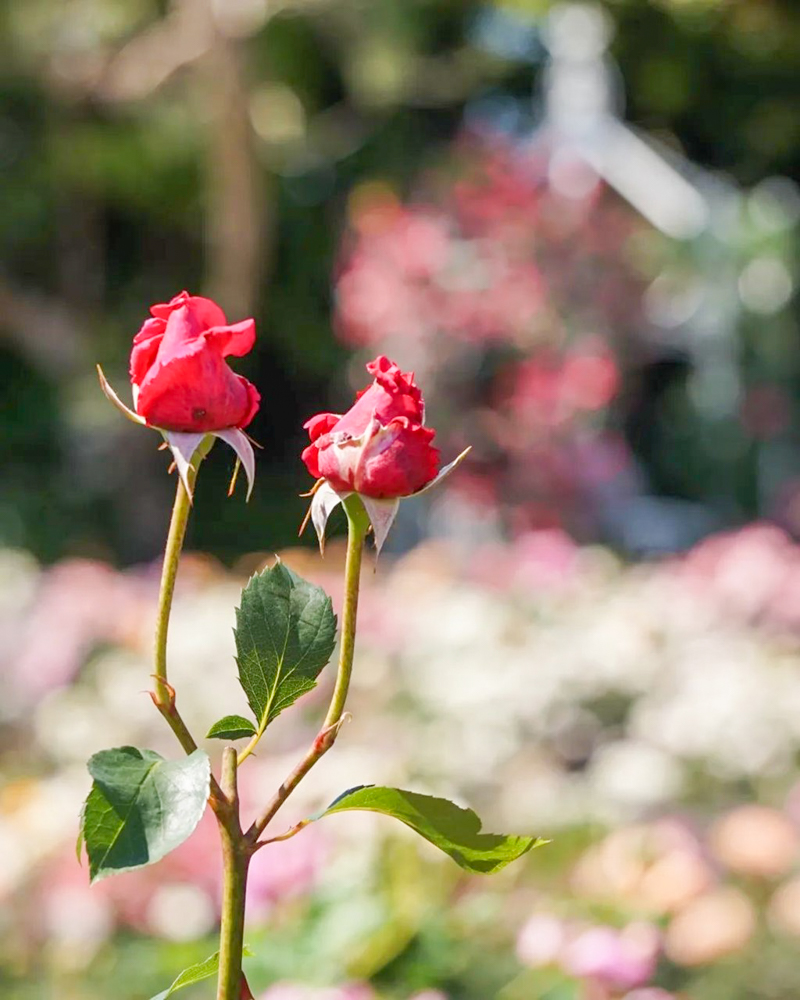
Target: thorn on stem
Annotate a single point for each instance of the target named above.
(326, 737)
(161, 706)
(291, 832)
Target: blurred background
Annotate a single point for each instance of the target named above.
(578, 224)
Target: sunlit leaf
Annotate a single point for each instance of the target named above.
(454, 830)
(232, 727)
(141, 807)
(285, 633)
(194, 974)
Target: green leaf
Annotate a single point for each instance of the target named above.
(285, 633)
(454, 830)
(196, 974)
(79, 838)
(141, 807)
(232, 727)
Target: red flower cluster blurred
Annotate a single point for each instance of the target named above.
(522, 309)
(495, 255)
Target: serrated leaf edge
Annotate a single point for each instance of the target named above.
(533, 842)
(273, 707)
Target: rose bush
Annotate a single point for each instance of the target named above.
(179, 377)
(379, 448)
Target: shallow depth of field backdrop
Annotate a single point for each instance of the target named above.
(579, 226)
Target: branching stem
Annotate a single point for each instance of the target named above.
(357, 527)
(238, 847)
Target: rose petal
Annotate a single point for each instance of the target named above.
(208, 312)
(196, 392)
(392, 394)
(253, 401)
(396, 462)
(321, 424)
(145, 348)
(310, 456)
(181, 335)
(235, 340)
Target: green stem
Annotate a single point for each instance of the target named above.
(169, 572)
(235, 862)
(164, 694)
(224, 798)
(357, 527)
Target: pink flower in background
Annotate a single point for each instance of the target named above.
(649, 993)
(621, 959)
(540, 940)
(750, 572)
(523, 306)
(590, 378)
(545, 559)
(297, 991)
(289, 869)
(85, 603)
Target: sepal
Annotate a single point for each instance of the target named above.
(184, 447)
(381, 514)
(444, 472)
(324, 502)
(240, 443)
(184, 444)
(112, 397)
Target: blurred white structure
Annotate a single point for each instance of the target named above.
(583, 102)
(736, 261)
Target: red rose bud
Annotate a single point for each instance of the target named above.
(379, 449)
(182, 386)
(179, 376)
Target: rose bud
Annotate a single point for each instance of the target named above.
(181, 383)
(380, 449)
(179, 376)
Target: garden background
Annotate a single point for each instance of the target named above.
(589, 633)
